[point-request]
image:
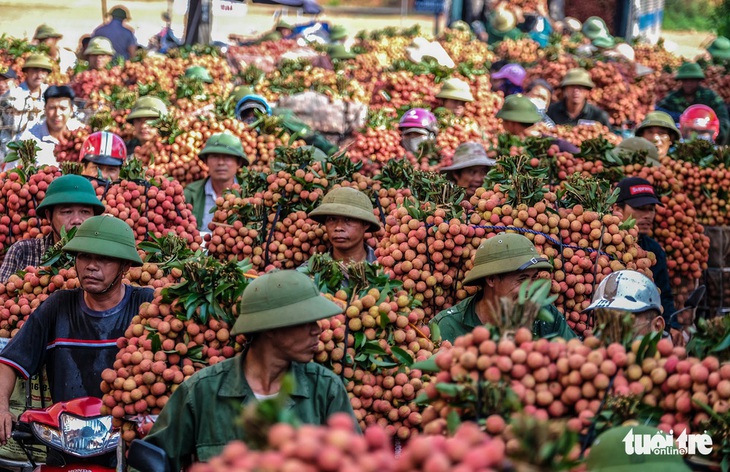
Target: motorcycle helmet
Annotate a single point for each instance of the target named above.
(249, 102)
(627, 290)
(699, 119)
(419, 118)
(104, 148)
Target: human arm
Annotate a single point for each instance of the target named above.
(660, 272)
(7, 385)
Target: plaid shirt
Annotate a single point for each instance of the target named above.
(23, 254)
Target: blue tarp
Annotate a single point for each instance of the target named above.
(310, 7)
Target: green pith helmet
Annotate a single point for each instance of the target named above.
(504, 253)
(661, 119)
(689, 70)
(45, 31)
(272, 36)
(147, 107)
(348, 202)
(720, 48)
(604, 42)
(279, 299)
(502, 21)
(460, 25)
(38, 61)
(578, 76)
(608, 453)
(105, 235)
(635, 144)
(199, 73)
(224, 143)
(239, 92)
(283, 25)
(520, 109)
(338, 32)
(99, 46)
(339, 51)
(595, 27)
(71, 190)
(456, 89)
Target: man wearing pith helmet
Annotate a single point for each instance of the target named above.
(74, 332)
(659, 128)
(347, 214)
(574, 107)
(469, 167)
(145, 110)
(454, 95)
(501, 264)
(70, 200)
(99, 53)
(278, 315)
(625, 448)
(224, 156)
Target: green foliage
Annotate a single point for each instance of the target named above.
(189, 87)
(25, 152)
(711, 339)
(258, 417)
(55, 259)
(518, 180)
(594, 194)
(682, 15)
(166, 251)
(133, 169)
(544, 444)
(531, 304)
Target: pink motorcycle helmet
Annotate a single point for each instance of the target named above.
(515, 73)
(418, 118)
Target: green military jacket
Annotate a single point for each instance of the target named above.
(676, 103)
(195, 195)
(202, 415)
(462, 318)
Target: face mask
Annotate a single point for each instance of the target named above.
(412, 144)
(539, 103)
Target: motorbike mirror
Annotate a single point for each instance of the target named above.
(148, 457)
(694, 298)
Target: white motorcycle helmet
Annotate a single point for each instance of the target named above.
(627, 290)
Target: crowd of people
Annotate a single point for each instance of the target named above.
(279, 311)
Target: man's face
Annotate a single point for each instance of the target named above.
(576, 94)
(98, 61)
(498, 85)
(142, 129)
(345, 233)
(508, 285)
(644, 216)
(646, 322)
(412, 140)
(471, 178)
(222, 167)
(690, 86)
(5, 85)
(69, 216)
(97, 273)
(515, 128)
(58, 112)
(457, 107)
(540, 96)
(91, 169)
(35, 77)
(661, 138)
(297, 343)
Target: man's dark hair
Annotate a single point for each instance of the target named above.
(538, 83)
(59, 91)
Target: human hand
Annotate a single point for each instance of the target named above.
(6, 426)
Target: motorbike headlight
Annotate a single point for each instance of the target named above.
(48, 435)
(87, 437)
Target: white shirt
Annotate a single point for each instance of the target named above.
(21, 110)
(39, 132)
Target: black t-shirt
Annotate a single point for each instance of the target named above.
(74, 342)
(559, 114)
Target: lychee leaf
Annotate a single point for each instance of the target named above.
(402, 356)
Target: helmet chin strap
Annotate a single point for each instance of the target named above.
(113, 282)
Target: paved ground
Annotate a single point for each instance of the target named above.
(75, 17)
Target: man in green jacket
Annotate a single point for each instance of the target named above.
(224, 156)
(501, 264)
(278, 315)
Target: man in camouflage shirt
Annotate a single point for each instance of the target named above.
(690, 75)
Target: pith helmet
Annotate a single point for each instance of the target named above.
(38, 61)
(720, 48)
(348, 202)
(627, 290)
(199, 73)
(608, 453)
(504, 253)
(604, 42)
(339, 51)
(45, 31)
(223, 143)
(281, 298)
(660, 119)
(71, 190)
(578, 76)
(456, 89)
(460, 25)
(105, 235)
(283, 25)
(689, 70)
(338, 32)
(502, 20)
(241, 91)
(147, 107)
(469, 155)
(595, 27)
(119, 12)
(636, 144)
(520, 109)
(99, 46)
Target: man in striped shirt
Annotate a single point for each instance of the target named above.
(74, 332)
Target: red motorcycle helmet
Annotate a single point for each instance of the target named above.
(699, 118)
(104, 148)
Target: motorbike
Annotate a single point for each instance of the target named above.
(75, 432)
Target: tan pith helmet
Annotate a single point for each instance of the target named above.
(469, 155)
(455, 89)
(346, 202)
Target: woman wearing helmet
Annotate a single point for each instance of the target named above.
(417, 126)
(103, 154)
(248, 106)
(699, 122)
(278, 314)
(629, 291)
